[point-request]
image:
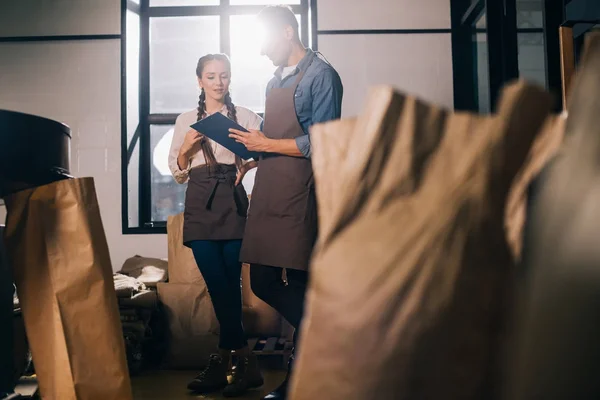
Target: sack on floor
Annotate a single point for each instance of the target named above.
(182, 265)
(193, 326)
(411, 278)
(57, 247)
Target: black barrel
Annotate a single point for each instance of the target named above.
(34, 151)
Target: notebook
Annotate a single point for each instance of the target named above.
(216, 127)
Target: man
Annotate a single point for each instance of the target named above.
(282, 221)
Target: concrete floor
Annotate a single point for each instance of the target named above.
(171, 385)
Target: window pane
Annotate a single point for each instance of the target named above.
(174, 3)
(176, 44)
(262, 2)
(481, 78)
(250, 71)
(132, 76)
(482, 74)
(167, 196)
(532, 61)
(529, 14)
(133, 188)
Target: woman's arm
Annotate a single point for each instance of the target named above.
(182, 148)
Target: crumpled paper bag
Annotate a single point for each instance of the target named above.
(56, 245)
(556, 344)
(182, 265)
(192, 325)
(411, 277)
(544, 148)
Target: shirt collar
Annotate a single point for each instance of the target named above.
(223, 110)
(301, 65)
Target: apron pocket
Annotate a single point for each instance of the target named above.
(311, 210)
(241, 200)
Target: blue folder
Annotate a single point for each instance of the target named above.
(216, 127)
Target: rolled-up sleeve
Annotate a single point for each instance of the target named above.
(180, 175)
(327, 92)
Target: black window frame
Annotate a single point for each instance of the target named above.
(141, 137)
(502, 34)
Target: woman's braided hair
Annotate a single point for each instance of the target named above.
(205, 143)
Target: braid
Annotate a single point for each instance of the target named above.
(201, 105)
(209, 155)
(231, 111)
(232, 114)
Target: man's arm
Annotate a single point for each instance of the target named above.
(327, 93)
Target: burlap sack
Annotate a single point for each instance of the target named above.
(192, 325)
(411, 276)
(182, 266)
(149, 271)
(57, 247)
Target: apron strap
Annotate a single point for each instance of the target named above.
(303, 70)
(219, 178)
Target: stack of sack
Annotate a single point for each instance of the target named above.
(141, 317)
(192, 324)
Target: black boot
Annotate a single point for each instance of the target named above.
(213, 377)
(281, 392)
(247, 376)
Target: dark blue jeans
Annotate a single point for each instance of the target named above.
(218, 261)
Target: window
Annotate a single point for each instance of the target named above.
(496, 42)
(162, 43)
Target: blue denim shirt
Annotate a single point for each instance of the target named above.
(318, 97)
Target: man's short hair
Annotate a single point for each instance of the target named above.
(278, 17)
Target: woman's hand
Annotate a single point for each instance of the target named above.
(188, 148)
(190, 143)
(244, 170)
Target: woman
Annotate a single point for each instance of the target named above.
(214, 220)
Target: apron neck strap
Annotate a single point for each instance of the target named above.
(303, 70)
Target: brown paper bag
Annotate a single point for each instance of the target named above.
(193, 326)
(543, 149)
(411, 276)
(57, 247)
(182, 265)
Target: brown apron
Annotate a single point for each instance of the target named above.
(282, 222)
(215, 208)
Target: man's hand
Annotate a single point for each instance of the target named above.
(253, 140)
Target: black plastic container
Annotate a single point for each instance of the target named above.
(34, 151)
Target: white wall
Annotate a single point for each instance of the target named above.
(419, 64)
(383, 14)
(78, 83)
